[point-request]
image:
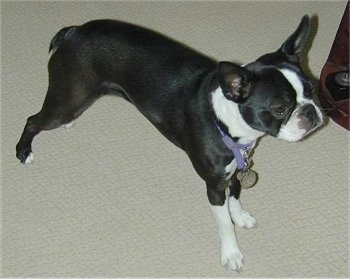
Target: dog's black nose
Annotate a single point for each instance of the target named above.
(309, 111)
(310, 114)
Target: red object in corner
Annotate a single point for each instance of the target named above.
(334, 80)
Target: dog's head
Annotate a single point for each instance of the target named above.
(274, 95)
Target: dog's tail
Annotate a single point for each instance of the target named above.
(61, 35)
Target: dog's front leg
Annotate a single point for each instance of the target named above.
(231, 256)
(240, 217)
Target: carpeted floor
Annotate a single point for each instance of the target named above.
(113, 198)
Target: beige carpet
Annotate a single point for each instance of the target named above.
(112, 198)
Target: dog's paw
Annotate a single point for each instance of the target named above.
(232, 259)
(29, 159)
(25, 156)
(243, 219)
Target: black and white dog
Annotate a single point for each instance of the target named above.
(207, 108)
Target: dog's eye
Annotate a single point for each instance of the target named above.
(280, 109)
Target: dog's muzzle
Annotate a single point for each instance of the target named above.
(309, 119)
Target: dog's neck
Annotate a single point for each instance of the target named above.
(228, 113)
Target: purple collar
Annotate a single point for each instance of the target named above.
(236, 148)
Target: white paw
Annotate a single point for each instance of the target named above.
(232, 259)
(29, 159)
(243, 219)
(69, 125)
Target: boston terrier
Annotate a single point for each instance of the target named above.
(214, 111)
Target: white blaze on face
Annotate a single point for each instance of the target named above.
(291, 131)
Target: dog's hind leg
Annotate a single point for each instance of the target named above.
(23, 148)
(35, 124)
(63, 104)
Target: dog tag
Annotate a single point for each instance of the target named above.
(247, 178)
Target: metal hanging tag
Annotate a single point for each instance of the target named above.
(247, 178)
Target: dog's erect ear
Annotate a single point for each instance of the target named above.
(234, 81)
(295, 44)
